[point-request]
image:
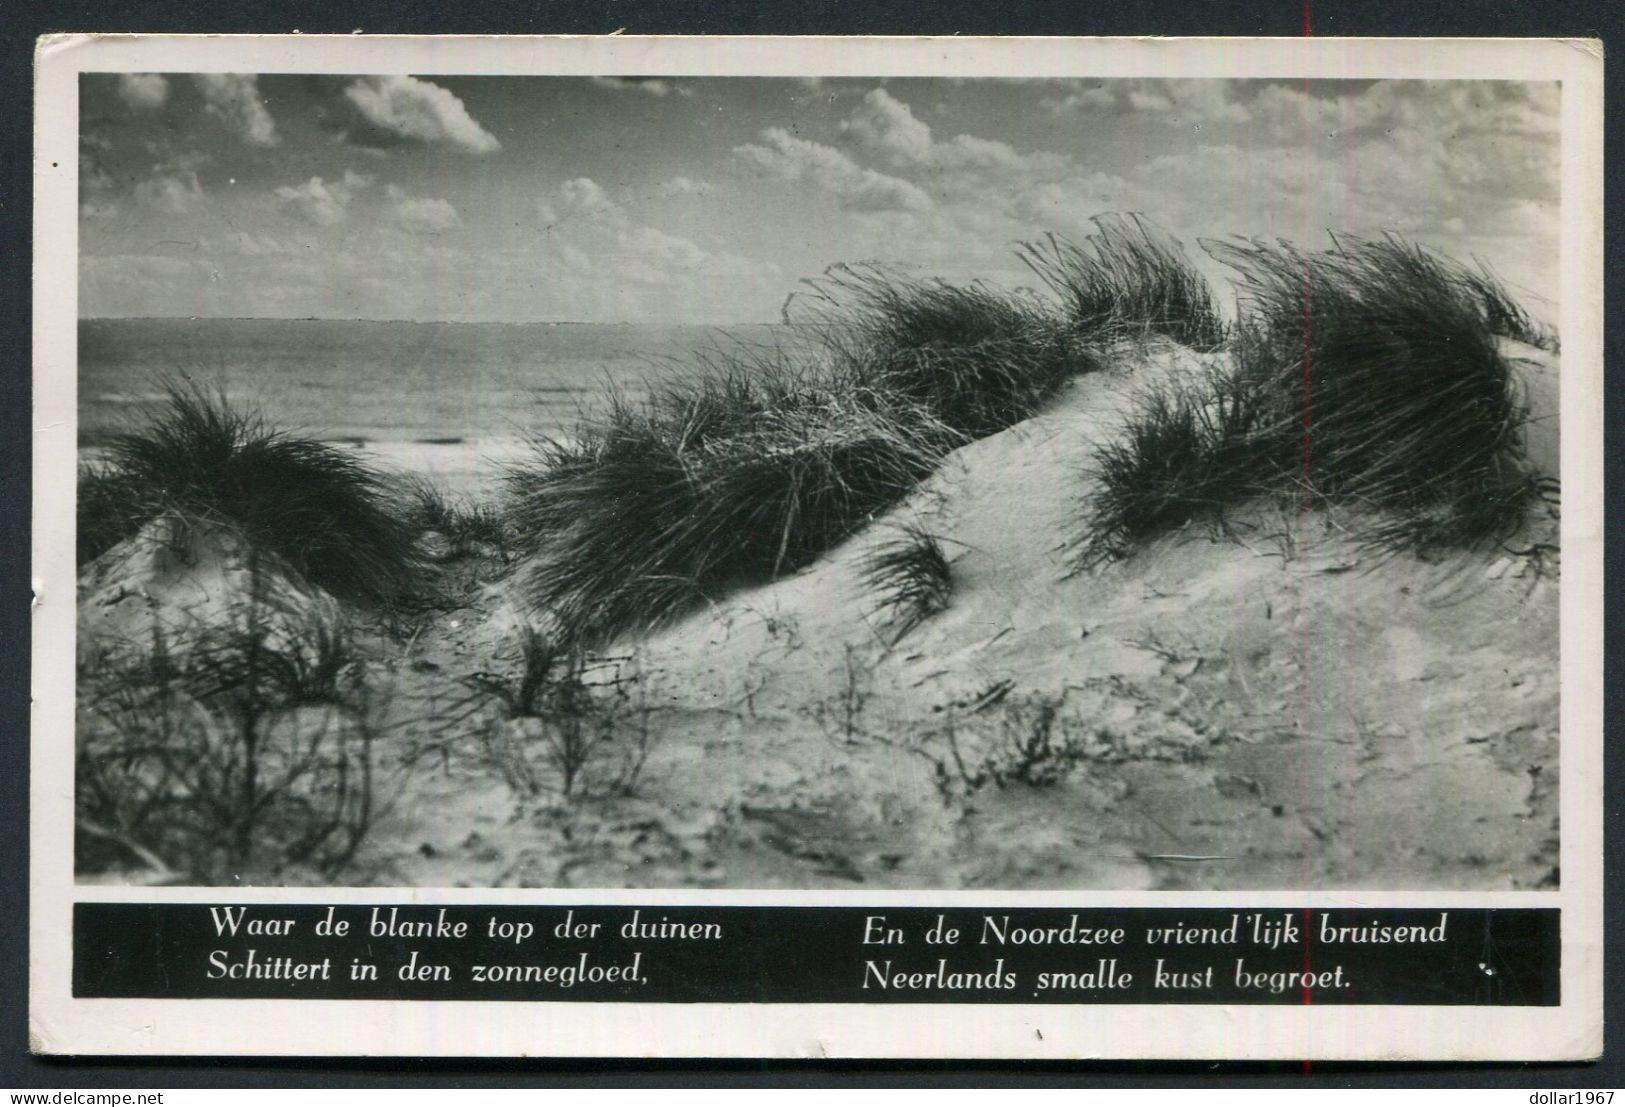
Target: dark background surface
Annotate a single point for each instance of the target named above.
(819, 954)
(21, 22)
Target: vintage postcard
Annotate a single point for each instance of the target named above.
(1053, 548)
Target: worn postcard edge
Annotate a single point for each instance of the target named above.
(61, 1024)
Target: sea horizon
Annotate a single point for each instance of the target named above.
(447, 322)
(451, 400)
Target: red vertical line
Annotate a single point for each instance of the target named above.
(1308, 933)
(1307, 502)
(1308, 322)
(1308, 412)
(1308, 993)
(1308, 380)
(1308, 419)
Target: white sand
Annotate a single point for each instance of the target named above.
(472, 469)
(1277, 709)
(1273, 708)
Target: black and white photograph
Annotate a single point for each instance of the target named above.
(619, 481)
(1012, 480)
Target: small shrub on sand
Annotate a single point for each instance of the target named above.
(324, 514)
(842, 715)
(911, 573)
(734, 477)
(523, 691)
(280, 653)
(1027, 740)
(245, 754)
(1365, 374)
(976, 359)
(1128, 280)
(553, 726)
(469, 528)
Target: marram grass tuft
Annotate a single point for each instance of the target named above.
(1366, 374)
(320, 511)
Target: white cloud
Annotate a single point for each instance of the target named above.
(593, 233)
(421, 214)
(1515, 108)
(646, 256)
(586, 198)
(93, 177)
(1467, 166)
(958, 165)
(1396, 156)
(970, 152)
(175, 192)
(1182, 101)
(1066, 206)
(1470, 169)
(650, 86)
(234, 98)
(248, 244)
(171, 160)
(1079, 97)
(323, 202)
(1494, 138)
(573, 257)
(649, 256)
(797, 159)
(986, 193)
(684, 186)
(1530, 218)
(888, 124)
(143, 91)
(419, 110)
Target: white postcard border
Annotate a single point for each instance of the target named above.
(60, 1023)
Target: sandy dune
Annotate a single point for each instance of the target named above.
(1272, 708)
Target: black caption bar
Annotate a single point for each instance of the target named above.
(656, 954)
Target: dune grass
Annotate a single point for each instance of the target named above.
(975, 358)
(911, 573)
(1366, 374)
(755, 463)
(1128, 280)
(737, 476)
(318, 510)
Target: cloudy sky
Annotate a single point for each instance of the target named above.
(705, 200)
